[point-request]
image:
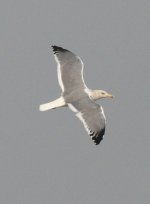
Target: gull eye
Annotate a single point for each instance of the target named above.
(103, 93)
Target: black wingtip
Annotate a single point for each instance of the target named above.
(98, 138)
(57, 49)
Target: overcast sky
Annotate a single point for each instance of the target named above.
(48, 157)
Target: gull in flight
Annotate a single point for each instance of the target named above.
(76, 95)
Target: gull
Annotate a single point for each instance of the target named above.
(76, 95)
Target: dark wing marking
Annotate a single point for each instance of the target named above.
(92, 117)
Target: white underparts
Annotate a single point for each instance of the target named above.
(53, 104)
(59, 73)
(79, 115)
(103, 113)
(89, 93)
(72, 108)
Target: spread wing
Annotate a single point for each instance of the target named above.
(92, 117)
(69, 69)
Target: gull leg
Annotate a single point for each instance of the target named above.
(53, 104)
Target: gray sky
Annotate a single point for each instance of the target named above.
(48, 157)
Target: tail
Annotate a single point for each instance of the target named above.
(46, 106)
(54, 104)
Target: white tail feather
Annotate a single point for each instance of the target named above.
(46, 106)
(54, 104)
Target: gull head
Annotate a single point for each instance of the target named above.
(98, 94)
